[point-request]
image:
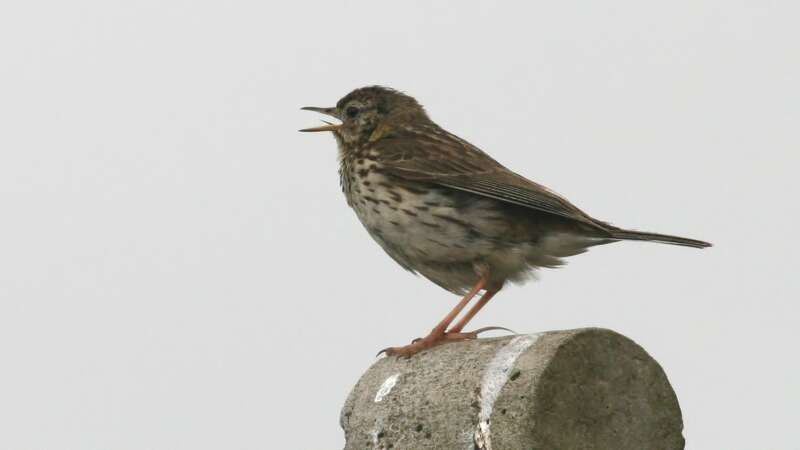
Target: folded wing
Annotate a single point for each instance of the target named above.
(436, 156)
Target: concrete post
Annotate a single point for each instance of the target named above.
(576, 389)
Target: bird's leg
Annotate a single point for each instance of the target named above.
(442, 326)
(438, 335)
(455, 332)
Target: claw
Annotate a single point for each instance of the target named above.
(388, 349)
(395, 351)
(485, 329)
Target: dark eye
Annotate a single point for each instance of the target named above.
(351, 111)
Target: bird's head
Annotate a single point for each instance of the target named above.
(364, 110)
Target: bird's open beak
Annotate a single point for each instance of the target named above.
(328, 111)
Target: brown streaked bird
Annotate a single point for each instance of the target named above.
(442, 208)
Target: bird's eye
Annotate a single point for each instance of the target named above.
(351, 111)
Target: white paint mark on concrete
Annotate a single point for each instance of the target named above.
(383, 391)
(494, 378)
(386, 387)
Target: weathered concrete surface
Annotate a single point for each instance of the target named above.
(576, 389)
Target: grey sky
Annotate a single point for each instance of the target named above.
(179, 269)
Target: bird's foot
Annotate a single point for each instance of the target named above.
(436, 337)
(419, 344)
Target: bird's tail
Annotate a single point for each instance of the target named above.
(631, 235)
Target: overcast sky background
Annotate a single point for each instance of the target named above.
(179, 269)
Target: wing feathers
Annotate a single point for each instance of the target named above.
(430, 154)
(436, 156)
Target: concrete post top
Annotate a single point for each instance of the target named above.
(576, 389)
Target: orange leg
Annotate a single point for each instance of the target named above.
(442, 327)
(474, 310)
(438, 335)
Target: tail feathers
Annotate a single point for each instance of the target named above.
(632, 235)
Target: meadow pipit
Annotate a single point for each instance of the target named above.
(442, 208)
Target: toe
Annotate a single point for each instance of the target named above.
(485, 329)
